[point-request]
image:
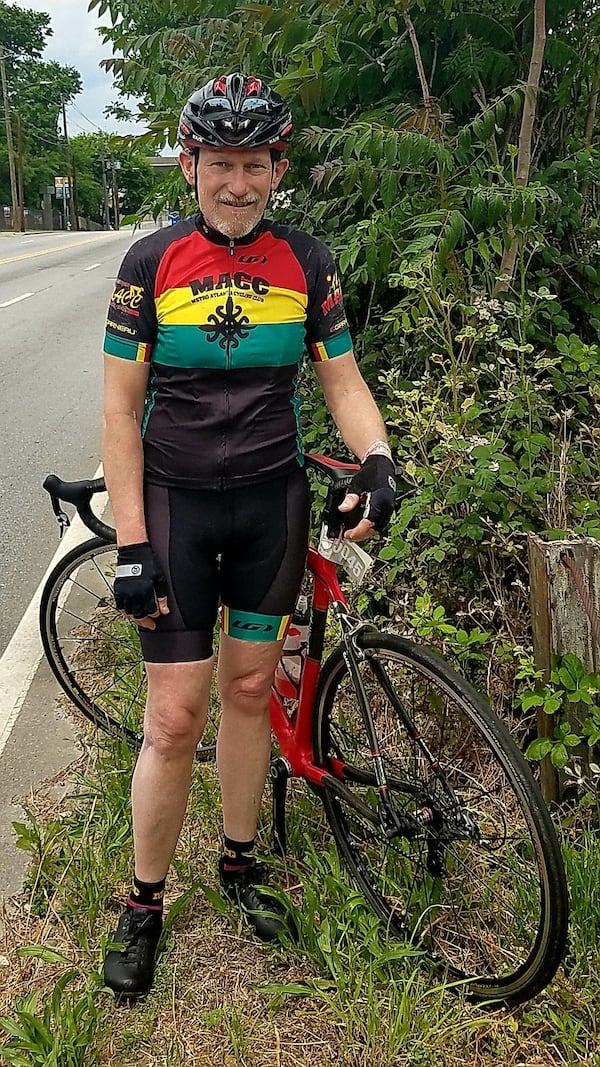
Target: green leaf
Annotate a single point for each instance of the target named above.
(531, 700)
(41, 952)
(389, 189)
(553, 703)
(567, 679)
(572, 740)
(538, 748)
(559, 756)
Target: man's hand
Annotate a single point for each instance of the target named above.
(140, 585)
(374, 486)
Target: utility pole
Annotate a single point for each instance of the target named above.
(71, 175)
(21, 212)
(9, 141)
(105, 190)
(116, 166)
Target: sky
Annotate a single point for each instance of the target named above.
(77, 43)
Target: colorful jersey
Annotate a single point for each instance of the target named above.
(224, 325)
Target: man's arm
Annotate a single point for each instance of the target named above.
(125, 385)
(356, 416)
(351, 403)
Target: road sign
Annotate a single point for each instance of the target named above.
(61, 187)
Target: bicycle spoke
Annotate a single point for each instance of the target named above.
(93, 651)
(461, 869)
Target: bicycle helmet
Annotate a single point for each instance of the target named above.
(235, 111)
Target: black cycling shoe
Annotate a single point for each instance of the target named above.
(243, 887)
(130, 972)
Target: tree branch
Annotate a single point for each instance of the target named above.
(427, 99)
(507, 267)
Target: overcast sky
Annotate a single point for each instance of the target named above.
(77, 43)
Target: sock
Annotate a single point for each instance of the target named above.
(147, 895)
(237, 855)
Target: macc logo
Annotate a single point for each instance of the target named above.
(334, 295)
(239, 280)
(127, 296)
(136, 569)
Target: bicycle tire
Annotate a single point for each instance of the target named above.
(93, 652)
(489, 906)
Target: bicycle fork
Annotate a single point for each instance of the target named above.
(392, 823)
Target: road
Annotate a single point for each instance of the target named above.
(54, 290)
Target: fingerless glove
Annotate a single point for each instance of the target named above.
(139, 580)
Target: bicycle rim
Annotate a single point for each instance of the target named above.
(474, 875)
(95, 653)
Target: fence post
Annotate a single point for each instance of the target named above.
(560, 622)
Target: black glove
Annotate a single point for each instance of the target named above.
(139, 580)
(375, 484)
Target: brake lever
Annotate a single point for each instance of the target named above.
(62, 518)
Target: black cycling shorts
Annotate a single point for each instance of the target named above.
(244, 548)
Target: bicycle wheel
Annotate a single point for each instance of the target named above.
(93, 651)
(471, 868)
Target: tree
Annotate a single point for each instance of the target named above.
(135, 174)
(37, 91)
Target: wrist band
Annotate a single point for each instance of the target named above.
(378, 448)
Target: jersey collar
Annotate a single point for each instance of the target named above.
(221, 239)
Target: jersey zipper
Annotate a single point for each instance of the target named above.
(227, 368)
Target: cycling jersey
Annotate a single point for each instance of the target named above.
(224, 324)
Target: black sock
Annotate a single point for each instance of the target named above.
(237, 855)
(147, 894)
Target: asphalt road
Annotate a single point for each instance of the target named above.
(54, 291)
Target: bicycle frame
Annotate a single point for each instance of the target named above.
(295, 736)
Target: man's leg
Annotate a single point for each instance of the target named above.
(245, 676)
(176, 712)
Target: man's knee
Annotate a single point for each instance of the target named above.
(249, 691)
(172, 733)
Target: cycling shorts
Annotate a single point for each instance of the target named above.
(244, 548)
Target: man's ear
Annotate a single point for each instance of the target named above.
(278, 171)
(187, 164)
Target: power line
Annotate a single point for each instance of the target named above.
(91, 122)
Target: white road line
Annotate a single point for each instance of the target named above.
(15, 300)
(23, 653)
(93, 266)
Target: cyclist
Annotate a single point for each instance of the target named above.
(206, 331)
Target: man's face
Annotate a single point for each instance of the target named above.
(234, 185)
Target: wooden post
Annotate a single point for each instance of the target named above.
(560, 622)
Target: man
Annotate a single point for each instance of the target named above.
(203, 461)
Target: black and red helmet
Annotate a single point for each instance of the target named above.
(235, 111)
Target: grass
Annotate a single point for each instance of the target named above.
(338, 996)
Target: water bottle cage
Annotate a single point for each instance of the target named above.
(295, 653)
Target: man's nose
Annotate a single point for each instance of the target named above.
(238, 182)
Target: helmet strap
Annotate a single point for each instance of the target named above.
(196, 157)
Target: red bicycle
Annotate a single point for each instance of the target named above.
(433, 808)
